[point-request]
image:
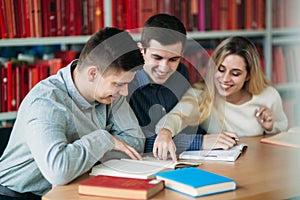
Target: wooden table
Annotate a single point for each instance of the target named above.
(263, 171)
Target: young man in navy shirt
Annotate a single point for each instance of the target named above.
(158, 87)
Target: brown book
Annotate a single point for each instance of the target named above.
(290, 138)
(119, 187)
(37, 18)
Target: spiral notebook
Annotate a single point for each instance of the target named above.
(217, 155)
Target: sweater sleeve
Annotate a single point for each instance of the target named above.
(280, 121)
(185, 111)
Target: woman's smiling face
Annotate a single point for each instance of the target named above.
(230, 77)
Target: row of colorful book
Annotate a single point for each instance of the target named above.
(21, 77)
(197, 15)
(286, 64)
(37, 18)
(17, 77)
(285, 13)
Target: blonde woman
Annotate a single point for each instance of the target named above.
(237, 100)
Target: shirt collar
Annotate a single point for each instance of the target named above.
(72, 90)
(142, 78)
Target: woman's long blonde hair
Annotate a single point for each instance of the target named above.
(240, 46)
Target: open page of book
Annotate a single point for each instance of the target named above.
(125, 168)
(169, 164)
(216, 155)
(290, 138)
(137, 168)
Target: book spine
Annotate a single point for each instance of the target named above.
(3, 20)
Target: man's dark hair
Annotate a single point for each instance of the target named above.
(164, 28)
(111, 49)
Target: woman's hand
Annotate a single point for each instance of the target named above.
(265, 117)
(164, 146)
(224, 140)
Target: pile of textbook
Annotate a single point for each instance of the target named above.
(125, 178)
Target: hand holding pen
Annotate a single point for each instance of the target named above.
(223, 140)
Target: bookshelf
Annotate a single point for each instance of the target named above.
(268, 37)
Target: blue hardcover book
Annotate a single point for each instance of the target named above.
(196, 182)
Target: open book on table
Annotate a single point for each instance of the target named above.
(290, 138)
(217, 155)
(144, 169)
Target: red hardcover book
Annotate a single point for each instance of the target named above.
(3, 89)
(184, 10)
(177, 9)
(54, 64)
(98, 15)
(169, 6)
(37, 18)
(78, 17)
(58, 17)
(65, 56)
(9, 19)
(18, 86)
(240, 14)
(11, 87)
(31, 17)
(224, 14)
(43, 72)
(1, 94)
(146, 9)
(119, 187)
(120, 15)
(201, 15)
(70, 17)
(233, 14)
(34, 76)
(259, 14)
(208, 15)
(3, 20)
(193, 15)
(21, 18)
(91, 17)
(24, 81)
(114, 13)
(160, 6)
(15, 18)
(215, 14)
(27, 17)
(49, 18)
(249, 20)
(85, 14)
(131, 15)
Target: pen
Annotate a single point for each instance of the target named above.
(235, 139)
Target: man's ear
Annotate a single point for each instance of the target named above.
(92, 73)
(140, 46)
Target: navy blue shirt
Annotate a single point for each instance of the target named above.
(150, 102)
